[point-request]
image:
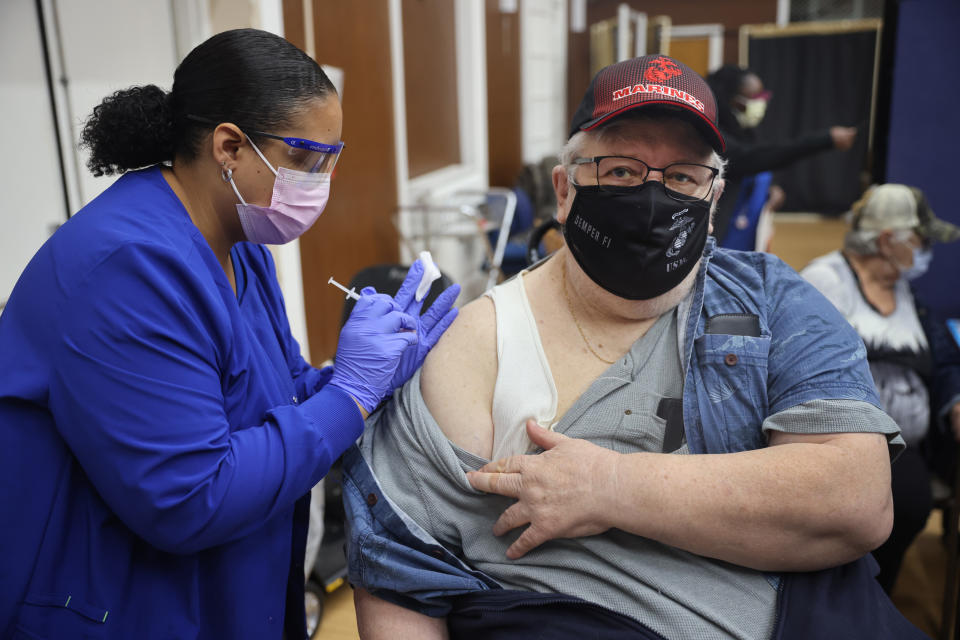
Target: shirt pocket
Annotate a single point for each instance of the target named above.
(640, 432)
(734, 371)
(60, 615)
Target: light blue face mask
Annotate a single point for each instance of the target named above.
(921, 262)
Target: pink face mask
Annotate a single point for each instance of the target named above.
(298, 200)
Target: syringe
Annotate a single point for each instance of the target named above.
(351, 293)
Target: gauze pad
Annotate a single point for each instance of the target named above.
(430, 273)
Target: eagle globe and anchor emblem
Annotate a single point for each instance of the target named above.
(683, 224)
(661, 69)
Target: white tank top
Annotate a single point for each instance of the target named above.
(524, 387)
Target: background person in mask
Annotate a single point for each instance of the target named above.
(161, 431)
(685, 440)
(914, 362)
(741, 105)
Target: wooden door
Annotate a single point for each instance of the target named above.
(693, 52)
(413, 126)
(430, 85)
(355, 230)
(504, 122)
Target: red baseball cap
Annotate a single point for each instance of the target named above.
(650, 81)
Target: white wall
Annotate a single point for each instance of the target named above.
(543, 64)
(95, 58)
(90, 58)
(33, 201)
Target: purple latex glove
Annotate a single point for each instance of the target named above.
(430, 326)
(372, 341)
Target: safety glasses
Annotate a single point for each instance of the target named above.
(304, 155)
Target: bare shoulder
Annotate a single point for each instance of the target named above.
(472, 334)
(459, 375)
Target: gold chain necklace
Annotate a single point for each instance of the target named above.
(566, 296)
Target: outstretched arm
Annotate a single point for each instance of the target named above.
(804, 503)
(748, 158)
(381, 620)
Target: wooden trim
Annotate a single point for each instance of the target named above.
(811, 28)
(504, 109)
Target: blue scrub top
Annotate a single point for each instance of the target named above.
(160, 434)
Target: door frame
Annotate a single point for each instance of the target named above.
(714, 34)
(472, 171)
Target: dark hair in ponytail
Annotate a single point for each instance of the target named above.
(131, 128)
(255, 79)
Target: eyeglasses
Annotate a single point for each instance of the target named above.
(308, 155)
(684, 181)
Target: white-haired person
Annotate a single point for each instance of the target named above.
(644, 436)
(914, 362)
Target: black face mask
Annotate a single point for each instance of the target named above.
(635, 242)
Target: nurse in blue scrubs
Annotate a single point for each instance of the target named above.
(159, 429)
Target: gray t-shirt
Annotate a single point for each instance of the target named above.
(675, 593)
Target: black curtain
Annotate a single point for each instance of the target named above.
(818, 81)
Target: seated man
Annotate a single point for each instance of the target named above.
(712, 446)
